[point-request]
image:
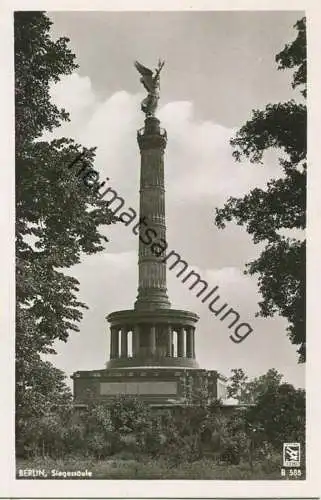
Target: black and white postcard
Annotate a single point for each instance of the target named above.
(160, 326)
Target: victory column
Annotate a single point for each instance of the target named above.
(152, 346)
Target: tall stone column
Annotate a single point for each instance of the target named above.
(136, 341)
(153, 340)
(170, 341)
(152, 291)
(189, 342)
(124, 343)
(114, 342)
(180, 342)
(193, 343)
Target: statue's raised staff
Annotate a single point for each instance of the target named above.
(150, 80)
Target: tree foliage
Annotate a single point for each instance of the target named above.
(279, 415)
(57, 214)
(43, 401)
(274, 411)
(128, 428)
(282, 205)
(237, 385)
(246, 390)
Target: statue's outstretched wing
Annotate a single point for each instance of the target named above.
(143, 70)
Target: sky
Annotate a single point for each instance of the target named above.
(219, 66)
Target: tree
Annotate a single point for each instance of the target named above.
(237, 385)
(282, 206)
(57, 212)
(275, 413)
(124, 423)
(248, 391)
(279, 415)
(42, 401)
(129, 414)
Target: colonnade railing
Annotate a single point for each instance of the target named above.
(179, 340)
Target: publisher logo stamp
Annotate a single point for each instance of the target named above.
(291, 455)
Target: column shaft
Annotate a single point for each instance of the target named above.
(189, 342)
(193, 340)
(180, 342)
(153, 340)
(169, 341)
(124, 343)
(152, 291)
(136, 341)
(114, 342)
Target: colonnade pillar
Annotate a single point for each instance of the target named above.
(180, 342)
(136, 341)
(114, 343)
(189, 342)
(153, 339)
(169, 341)
(124, 342)
(193, 343)
(119, 343)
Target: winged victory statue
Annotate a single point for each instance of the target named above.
(151, 81)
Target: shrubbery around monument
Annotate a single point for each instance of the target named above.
(129, 429)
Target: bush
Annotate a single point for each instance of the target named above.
(129, 428)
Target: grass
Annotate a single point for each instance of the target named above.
(147, 468)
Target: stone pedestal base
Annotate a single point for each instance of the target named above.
(154, 385)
